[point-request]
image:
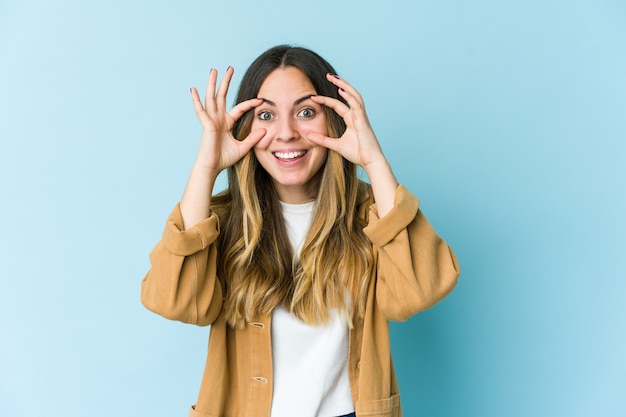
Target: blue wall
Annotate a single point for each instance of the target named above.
(507, 119)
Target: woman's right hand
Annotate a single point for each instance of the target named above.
(218, 148)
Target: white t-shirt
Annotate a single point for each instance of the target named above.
(310, 362)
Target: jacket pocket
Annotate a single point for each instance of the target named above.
(194, 413)
(387, 407)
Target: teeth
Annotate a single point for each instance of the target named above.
(288, 155)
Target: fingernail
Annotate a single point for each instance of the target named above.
(333, 75)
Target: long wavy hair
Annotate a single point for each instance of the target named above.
(256, 263)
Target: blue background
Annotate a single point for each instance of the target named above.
(507, 119)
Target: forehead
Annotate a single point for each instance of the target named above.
(288, 82)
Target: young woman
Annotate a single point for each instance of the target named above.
(298, 265)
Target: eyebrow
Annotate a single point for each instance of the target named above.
(295, 103)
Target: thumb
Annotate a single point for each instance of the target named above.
(317, 138)
(253, 138)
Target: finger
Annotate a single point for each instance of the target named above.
(241, 108)
(209, 99)
(223, 89)
(252, 139)
(338, 106)
(355, 102)
(352, 98)
(197, 104)
(347, 92)
(333, 144)
(344, 85)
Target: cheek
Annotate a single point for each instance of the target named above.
(321, 126)
(317, 126)
(323, 129)
(319, 156)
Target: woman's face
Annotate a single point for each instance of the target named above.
(288, 114)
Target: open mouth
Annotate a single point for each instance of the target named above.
(289, 156)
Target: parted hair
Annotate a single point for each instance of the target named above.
(256, 263)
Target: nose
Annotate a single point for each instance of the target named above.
(286, 130)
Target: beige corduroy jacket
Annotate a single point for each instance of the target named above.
(415, 269)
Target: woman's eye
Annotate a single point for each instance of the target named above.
(265, 115)
(306, 113)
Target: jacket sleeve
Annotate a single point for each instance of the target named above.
(415, 267)
(181, 283)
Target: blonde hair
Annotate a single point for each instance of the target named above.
(256, 263)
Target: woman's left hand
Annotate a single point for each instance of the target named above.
(358, 144)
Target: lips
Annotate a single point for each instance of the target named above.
(289, 156)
